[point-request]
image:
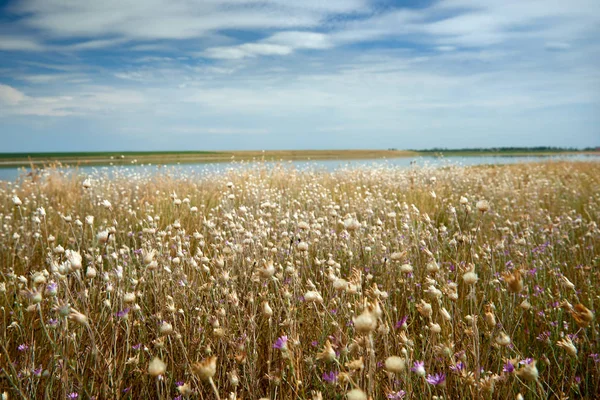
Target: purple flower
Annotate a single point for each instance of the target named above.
(330, 377)
(458, 367)
(437, 379)
(396, 395)
(136, 346)
(23, 347)
(123, 313)
(526, 361)
(595, 357)
(418, 368)
(73, 395)
(281, 343)
(508, 367)
(402, 322)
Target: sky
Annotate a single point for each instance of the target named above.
(110, 75)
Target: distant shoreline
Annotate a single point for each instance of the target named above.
(8, 160)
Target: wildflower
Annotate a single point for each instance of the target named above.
(17, 201)
(23, 347)
(365, 322)
(458, 367)
(206, 369)
(401, 324)
(78, 317)
(582, 315)
(399, 395)
(313, 297)
(90, 272)
(103, 236)
(508, 367)
(433, 266)
(406, 268)
(328, 354)
(184, 389)
(267, 271)
(470, 278)
(74, 259)
(89, 220)
(424, 309)
(106, 204)
(87, 183)
(351, 224)
(165, 328)
(281, 343)
(330, 377)
(52, 289)
(418, 368)
(567, 344)
(340, 284)
(513, 281)
(157, 367)
(356, 394)
(528, 371)
(395, 364)
(482, 206)
(267, 310)
(303, 225)
(503, 339)
(73, 395)
(129, 297)
(437, 379)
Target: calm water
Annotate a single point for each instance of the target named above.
(12, 173)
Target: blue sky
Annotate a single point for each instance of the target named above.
(298, 74)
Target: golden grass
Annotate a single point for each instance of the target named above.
(279, 283)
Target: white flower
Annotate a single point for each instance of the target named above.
(313, 297)
(157, 367)
(365, 322)
(395, 364)
(483, 205)
(74, 259)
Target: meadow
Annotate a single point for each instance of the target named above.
(382, 283)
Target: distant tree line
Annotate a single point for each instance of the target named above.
(506, 149)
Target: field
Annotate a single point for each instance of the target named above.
(382, 283)
(168, 157)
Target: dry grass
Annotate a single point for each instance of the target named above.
(381, 282)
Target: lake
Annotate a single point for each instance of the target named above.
(12, 173)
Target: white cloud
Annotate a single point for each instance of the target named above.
(19, 44)
(165, 19)
(10, 95)
(301, 40)
(247, 50)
